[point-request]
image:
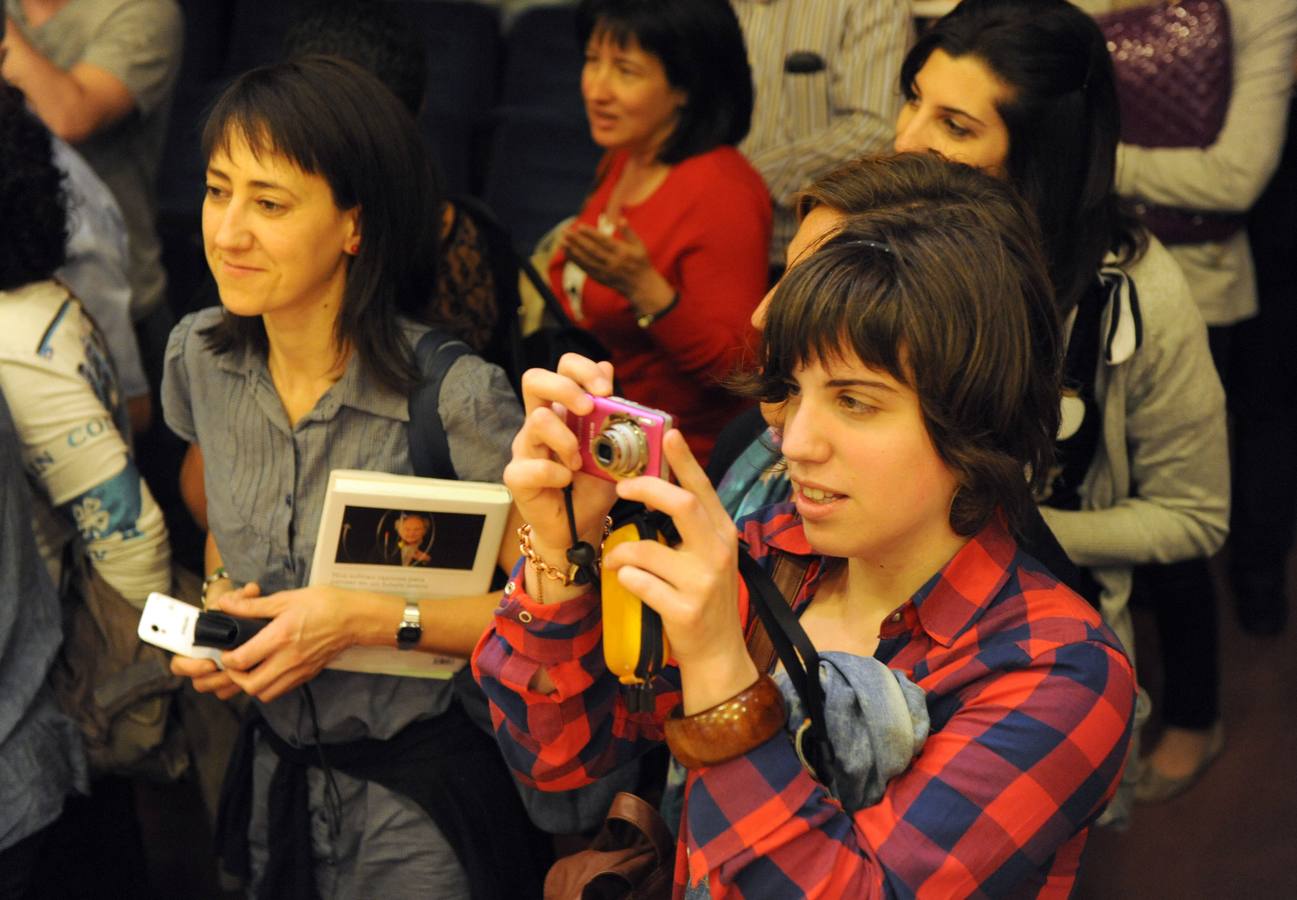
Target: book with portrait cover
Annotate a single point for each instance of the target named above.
(411, 536)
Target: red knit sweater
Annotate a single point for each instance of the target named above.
(707, 230)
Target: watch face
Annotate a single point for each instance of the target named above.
(408, 635)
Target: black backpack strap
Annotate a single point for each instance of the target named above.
(435, 353)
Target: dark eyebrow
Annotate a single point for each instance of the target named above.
(955, 110)
(262, 185)
(860, 382)
(270, 185)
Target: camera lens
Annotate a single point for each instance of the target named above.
(620, 448)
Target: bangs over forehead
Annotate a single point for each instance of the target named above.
(940, 283)
(290, 118)
(843, 300)
(622, 23)
(621, 31)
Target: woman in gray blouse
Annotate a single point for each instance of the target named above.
(318, 231)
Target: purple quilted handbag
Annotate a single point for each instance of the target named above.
(1173, 61)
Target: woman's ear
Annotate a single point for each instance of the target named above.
(351, 245)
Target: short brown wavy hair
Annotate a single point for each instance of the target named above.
(943, 285)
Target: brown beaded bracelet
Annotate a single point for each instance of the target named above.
(730, 728)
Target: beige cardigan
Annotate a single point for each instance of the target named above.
(1158, 488)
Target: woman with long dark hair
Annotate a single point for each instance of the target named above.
(318, 229)
(1026, 90)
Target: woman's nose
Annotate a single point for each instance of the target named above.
(596, 81)
(909, 135)
(231, 229)
(802, 440)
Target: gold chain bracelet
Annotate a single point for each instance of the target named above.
(544, 569)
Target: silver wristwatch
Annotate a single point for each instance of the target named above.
(410, 629)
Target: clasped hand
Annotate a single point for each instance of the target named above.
(620, 262)
(693, 586)
(306, 631)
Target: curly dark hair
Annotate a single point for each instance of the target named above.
(32, 203)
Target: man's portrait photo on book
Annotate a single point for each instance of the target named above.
(408, 538)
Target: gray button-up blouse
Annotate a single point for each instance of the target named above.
(266, 481)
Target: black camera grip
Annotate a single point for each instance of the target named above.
(224, 631)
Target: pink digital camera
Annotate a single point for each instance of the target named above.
(620, 439)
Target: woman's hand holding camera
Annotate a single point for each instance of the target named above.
(546, 459)
(692, 586)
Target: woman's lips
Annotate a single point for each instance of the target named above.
(237, 270)
(814, 502)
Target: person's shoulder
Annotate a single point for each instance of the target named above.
(469, 372)
(1158, 278)
(106, 16)
(1164, 301)
(725, 170)
(186, 337)
(1039, 613)
(412, 332)
(164, 11)
(35, 294)
(200, 319)
(31, 310)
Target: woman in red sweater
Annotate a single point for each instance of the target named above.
(667, 259)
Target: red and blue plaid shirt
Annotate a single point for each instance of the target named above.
(1030, 698)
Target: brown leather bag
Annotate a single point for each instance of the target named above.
(632, 857)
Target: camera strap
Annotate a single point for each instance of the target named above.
(799, 657)
(581, 557)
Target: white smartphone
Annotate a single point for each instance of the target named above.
(169, 623)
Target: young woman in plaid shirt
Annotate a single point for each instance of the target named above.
(911, 364)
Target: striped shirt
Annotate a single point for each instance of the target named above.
(266, 482)
(1030, 699)
(806, 122)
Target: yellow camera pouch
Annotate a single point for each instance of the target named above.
(634, 644)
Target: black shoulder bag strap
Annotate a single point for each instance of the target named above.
(484, 215)
(800, 660)
(435, 353)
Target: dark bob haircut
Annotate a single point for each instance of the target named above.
(701, 48)
(1063, 121)
(941, 284)
(331, 118)
(32, 201)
